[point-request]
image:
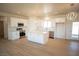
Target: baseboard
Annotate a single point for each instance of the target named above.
(59, 38)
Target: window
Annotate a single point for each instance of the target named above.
(47, 24)
(75, 29)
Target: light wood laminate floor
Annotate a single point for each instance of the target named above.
(23, 47)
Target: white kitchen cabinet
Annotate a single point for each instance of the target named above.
(13, 35)
(38, 37)
(14, 22)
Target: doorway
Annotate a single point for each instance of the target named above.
(75, 30)
(60, 30)
(1, 29)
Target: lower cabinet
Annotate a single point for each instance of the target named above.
(13, 35)
(41, 38)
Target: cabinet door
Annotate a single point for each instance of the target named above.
(13, 35)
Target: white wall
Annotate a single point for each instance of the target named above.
(68, 29)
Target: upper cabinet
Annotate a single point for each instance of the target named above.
(14, 22)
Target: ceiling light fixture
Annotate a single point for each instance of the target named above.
(72, 15)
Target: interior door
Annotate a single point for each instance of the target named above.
(1, 29)
(60, 30)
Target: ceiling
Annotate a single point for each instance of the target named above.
(38, 9)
